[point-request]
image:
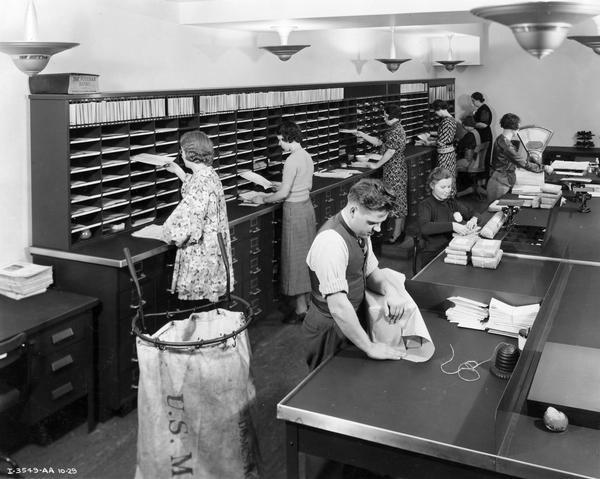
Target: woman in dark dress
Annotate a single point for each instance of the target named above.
(446, 133)
(483, 119)
(395, 169)
(441, 215)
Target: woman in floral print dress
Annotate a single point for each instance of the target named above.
(445, 139)
(395, 169)
(199, 272)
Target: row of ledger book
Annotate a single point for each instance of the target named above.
(20, 280)
(497, 317)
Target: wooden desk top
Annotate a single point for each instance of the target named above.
(33, 313)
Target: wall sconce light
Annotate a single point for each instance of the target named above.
(393, 63)
(591, 41)
(539, 27)
(31, 56)
(451, 63)
(284, 51)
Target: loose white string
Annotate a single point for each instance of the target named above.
(470, 365)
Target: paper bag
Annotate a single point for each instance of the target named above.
(414, 337)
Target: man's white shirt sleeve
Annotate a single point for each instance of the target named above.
(328, 258)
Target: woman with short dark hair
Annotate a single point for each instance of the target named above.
(395, 168)
(446, 132)
(298, 223)
(507, 156)
(483, 120)
(199, 271)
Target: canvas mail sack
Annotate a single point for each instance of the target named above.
(195, 405)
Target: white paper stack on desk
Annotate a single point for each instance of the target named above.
(20, 280)
(458, 249)
(486, 253)
(467, 313)
(508, 320)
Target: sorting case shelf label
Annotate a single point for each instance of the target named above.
(87, 183)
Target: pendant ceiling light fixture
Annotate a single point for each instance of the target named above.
(284, 51)
(32, 56)
(393, 63)
(591, 41)
(450, 63)
(539, 27)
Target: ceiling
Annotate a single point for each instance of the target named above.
(262, 15)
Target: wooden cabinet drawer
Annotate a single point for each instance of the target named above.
(55, 391)
(61, 335)
(75, 357)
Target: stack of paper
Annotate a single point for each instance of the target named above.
(486, 253)
(467, 313)
(337, 173)
(20, 280)
(458, 249)
(570, 165)
(527, 182)
(507, 320)
(549, 195)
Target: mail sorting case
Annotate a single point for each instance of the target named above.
(85, 187)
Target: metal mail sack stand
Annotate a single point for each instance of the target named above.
(195, 394)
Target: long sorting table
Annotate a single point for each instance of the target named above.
(414, 421)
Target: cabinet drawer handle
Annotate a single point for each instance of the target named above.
(141, 277)
(134, 386)
(255, 291)
(62, 335)
(61, 391)
(255, 270)
(139, 305)
(233, 238)
(61, 363)
(255, 251)
(256, 229)
(257, 311)
(170, 265)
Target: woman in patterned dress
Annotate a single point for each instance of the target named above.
(445, 139)
(199, 272)
(395, 169)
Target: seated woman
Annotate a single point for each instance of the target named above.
(440, 214)
(507, 156)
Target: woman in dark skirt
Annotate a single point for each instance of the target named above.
(395, 168)
(446, 154)
(299, 224)
(483, 119)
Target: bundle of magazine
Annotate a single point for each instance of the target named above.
(497, 318)
(20, 280)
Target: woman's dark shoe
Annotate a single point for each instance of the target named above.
(293, 318)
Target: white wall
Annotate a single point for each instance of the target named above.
(137, 45)
(559, 92)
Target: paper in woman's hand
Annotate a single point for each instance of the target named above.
(409, 333)
(156, 160)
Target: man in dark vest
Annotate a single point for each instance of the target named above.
(341, 266)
